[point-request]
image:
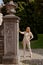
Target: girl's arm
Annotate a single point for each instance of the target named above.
(31, 35)
(21, 32)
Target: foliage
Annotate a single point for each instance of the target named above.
(31, 14)
(5, 1)
(27, 14)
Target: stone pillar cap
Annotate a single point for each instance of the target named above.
(12, 4)
(11, 17)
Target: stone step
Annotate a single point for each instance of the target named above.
(0, 59)
(9, 60)
(33, 62)
(37, 58)
(1, 37)
(1, 48)
(1, 51)
(1, 54)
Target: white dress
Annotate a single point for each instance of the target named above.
(26, 41)
(27, 36)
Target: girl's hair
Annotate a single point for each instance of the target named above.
(28, 28)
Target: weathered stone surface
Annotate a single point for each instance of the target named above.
(11, 38)
(37, 57)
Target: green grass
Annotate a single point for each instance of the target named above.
(36, 43)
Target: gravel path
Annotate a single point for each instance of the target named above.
(37, 57)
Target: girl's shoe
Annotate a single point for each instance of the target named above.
(30, 55)
(24, 56)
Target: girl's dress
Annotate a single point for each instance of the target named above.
(26, 40)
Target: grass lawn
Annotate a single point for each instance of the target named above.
(36, 43)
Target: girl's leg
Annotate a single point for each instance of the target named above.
(24, 47)
(29, 48)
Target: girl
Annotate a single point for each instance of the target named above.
(26, 40)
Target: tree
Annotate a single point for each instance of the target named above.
(31, 14)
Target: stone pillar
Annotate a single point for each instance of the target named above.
(11, 34)
(11, 39)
